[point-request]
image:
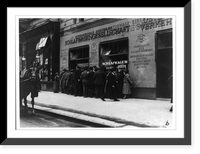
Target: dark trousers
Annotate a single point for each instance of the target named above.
(119, 90)
(91, 91)
(78, 88)
(112, 93)
(71, 89)
(98, 91)
(67, 91)
(85, 90)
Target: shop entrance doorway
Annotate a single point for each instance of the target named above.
(164, 59)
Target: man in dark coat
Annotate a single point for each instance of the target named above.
(71, 82)
(110, 86)
(99, 79)
(84, 79)
(61, 80)
(77, 81)
(67, 81)
(91, 82)
(119, 86)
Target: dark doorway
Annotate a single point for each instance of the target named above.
(164, 63)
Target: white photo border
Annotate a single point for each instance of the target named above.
(178, 26)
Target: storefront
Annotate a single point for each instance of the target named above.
(41, 44)
(79, 57)
(141, 45)
(114, 53)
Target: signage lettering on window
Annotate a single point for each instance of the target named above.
(115, 62)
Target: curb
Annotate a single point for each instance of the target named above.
(90, 117)
(83, 117)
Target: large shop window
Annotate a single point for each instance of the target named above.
(114, 53)
(45, 59)
(79, 57)
(38, 50)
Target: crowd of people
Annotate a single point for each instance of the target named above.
(94, 82)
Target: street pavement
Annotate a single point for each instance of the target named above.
(131, 112)
(43, 120)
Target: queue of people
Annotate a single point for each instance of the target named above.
(95, 82)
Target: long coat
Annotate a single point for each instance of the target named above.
(91, 78)
(127, 84)
(85, 80)
(62, 80)
(119, 86)
(110, 85)
(84, 77)
(67, 79)
(99, 78)
(56, 84)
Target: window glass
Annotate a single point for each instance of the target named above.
(112, 48)
(114, 53)
(79, 57)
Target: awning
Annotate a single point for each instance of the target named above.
(42, 43)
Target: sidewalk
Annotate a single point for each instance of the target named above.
(126, 112)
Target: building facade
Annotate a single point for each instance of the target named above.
(40, 42)
(141, 45)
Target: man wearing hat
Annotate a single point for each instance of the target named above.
(110, 86)
(62, 80)
(77, 82)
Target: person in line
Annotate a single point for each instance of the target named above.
(72, 82)
(119, 86)
(91, 82)
(110, 86)
(56, 83)
(77, 81)
(99, 78)
(85, 81)
(63, 78)
(62, 81)
(127, 84)
(67, 80)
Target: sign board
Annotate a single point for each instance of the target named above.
(83, 64)
(111, 63)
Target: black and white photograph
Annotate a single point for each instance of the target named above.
(98, 76)
(96, 72)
